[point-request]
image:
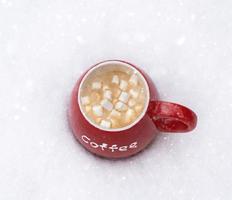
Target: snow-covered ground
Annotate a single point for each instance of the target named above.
(185, 46)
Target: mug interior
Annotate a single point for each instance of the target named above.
(120, 66)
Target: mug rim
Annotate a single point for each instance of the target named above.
(124, 64)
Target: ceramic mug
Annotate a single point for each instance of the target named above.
(157, 116)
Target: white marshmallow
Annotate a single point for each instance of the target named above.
(105, 124)
(108, 94)
(120, 106)
(129, 116)
(123, 85)
(96, 85)
(97, 110)
(85, 100)
(130, 112)
(124, 97)
(133, 79)
(131, 102)
(115, 79)
(115, 113)
(107, 104)
(134, 93)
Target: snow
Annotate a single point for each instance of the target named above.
(185, 46)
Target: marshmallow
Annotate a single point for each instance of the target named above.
(85, 100)
(115, 79)
(133, 79)
(132, 102)
(129, 116)
(123, 85)
(105, 124)
(108, 94)
(130, 112)
(97, 110)
(107, 104)
(120, 106)
(138, 108)
(96, 85)
(114, 113)
(87, 108)
(124, 97)
(134, 93)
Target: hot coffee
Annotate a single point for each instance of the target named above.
(113, 96)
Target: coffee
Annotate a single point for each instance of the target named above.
(113, 96)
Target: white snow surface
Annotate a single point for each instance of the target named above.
(185, 46)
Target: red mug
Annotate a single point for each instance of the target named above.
(157, 116)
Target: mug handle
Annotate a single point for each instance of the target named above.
(172, 117)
